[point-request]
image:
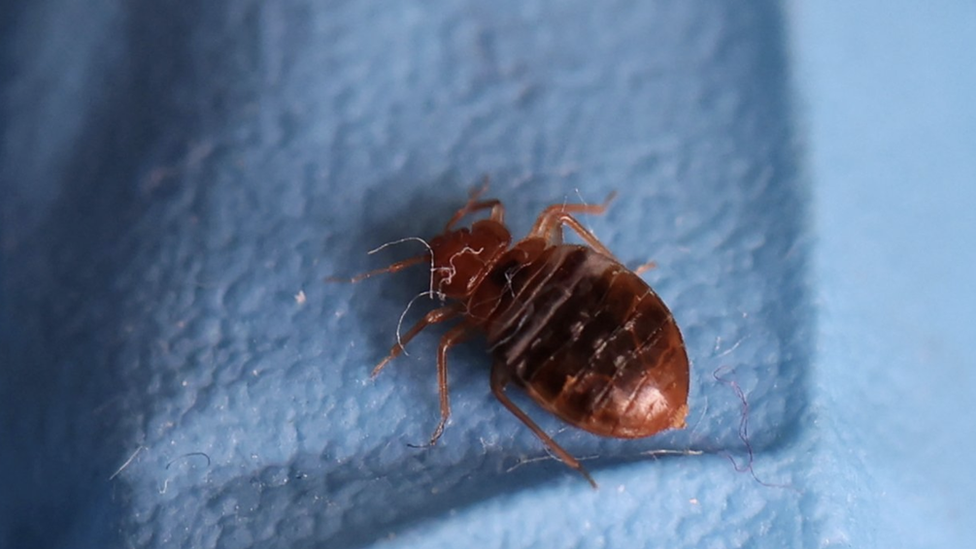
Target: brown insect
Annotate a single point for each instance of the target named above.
(584, 336)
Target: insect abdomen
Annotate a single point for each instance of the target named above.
(590, 342)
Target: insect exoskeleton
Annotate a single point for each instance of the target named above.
(584, 336)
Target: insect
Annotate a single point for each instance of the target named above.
(581, 334)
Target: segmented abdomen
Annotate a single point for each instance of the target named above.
(591, 342)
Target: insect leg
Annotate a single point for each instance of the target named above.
(499, 378)
(474, 205)
(454, 336)
(433, 317)
(550, 222)
(641, 269)
(497, 211)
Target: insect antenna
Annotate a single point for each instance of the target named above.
(398, 266)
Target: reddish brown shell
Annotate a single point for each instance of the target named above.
(583, 335)
(589, 341)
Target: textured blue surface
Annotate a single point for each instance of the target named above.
(178, 180)
(892, 128)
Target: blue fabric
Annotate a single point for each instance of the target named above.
(891, 133)
(178, 181)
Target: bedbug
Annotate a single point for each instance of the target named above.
(580, 333)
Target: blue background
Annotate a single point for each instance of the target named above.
(178, 180)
